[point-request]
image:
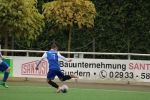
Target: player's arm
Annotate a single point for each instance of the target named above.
(37, 66)
(63, 58)
(43, 57)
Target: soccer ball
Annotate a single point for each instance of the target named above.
(64, 88)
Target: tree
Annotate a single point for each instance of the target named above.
(69, 13)
(20, 18)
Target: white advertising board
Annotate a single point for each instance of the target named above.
(89, 69)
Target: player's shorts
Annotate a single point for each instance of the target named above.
(52, 73)
(3, 66)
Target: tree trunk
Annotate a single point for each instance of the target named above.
(12, 44)
(6, 43)
(93, 47)
(69, 42)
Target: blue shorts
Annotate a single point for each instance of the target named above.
(3, 66)
(52, 73)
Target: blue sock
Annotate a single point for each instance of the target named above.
(6, 74)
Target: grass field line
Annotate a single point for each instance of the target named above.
(106, 90)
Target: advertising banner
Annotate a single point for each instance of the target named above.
(88, 69)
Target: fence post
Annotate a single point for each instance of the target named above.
(129, 56)
(27, 54)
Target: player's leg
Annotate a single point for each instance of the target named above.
(68, 77)
(50, 76)
(63, 77)
(5, 68)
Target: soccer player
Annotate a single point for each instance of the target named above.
(4, 67)
(54, 67)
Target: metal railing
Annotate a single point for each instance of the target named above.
(78, 54)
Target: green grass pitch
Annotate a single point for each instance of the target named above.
(24, 92)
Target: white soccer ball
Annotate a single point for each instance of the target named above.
(64, 88)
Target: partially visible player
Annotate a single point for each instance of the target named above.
(54, 67)
(4, 67)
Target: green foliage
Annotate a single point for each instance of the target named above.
(120, 26)
(20, 18)
(67, 13)
(70, 13)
